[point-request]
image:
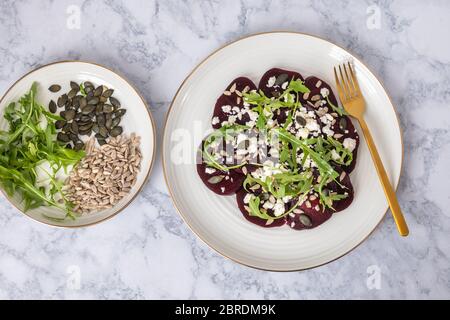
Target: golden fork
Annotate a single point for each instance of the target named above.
(353, 102)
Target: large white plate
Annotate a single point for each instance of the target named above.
(217, 219)
(138, 119)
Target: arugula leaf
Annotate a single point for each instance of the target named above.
(298, 86)
(25, 146)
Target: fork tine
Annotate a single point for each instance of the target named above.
(338, 84)
(351, 87)
(344, 84)
(355, 81)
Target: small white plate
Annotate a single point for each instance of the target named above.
(138, 119)
(217, 219)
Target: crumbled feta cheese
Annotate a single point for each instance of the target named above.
(247, 197)
(349, 144)
(284, 85)
(209, 170)
(232, 119)
(312, 125)
(334, 155)
(327, 130)
(215, 120)
(324, 92)
(278, 208)
(222, 189)
(226, 108)
(302, 133)
(268, 205)
(271, 82)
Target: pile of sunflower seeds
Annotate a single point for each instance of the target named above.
(87, 109)
(105, 175)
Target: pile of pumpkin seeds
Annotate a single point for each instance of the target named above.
(86, 109)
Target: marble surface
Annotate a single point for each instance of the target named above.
(147, 251)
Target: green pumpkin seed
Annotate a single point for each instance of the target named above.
(107, 108)
(95, 128)
(108, 93)
(305, 220)
(103, 132)
(68, 115)
(59, 124)
(116, 131)
(62, 137)
(120, 112)
(101, 120)
(216, 179)
(74, 85)
(281, 79)
(54, 88)
(114, 102)
(93, 100)
(88, 109)
(52, 106)
(72, 93)
(343, 124)
(108, 123)
(88, 84)
(300, 120)
(115, 121)
(62, 100)
(74, 127)
(79, 145)
(98, 92)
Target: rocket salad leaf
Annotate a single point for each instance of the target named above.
(26, 146)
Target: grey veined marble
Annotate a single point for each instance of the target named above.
(147, 251)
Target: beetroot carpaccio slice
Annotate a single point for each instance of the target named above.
(345, 133)
(275, 80)
(221, 182)
(311, 213)
(231, 102)
(240, 196)
(315, 85)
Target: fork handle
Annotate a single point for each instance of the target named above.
(390, 193)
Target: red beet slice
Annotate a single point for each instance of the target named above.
(232, 100)
(307, 220)
(281, 76)
(314, 211)
(315, 84)
(226, 183)
(343, 128)
(240, 195)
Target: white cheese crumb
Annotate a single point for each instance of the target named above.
(278, 209)
(271, 82)
(268, 205)
(349, 144)
(247, 197)
(327, 130)
(324, 92)
(210, 170)
(222, 189)
(334, 155)
(226, 108)
(312, 125)
(215, 120)
(284, 85)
